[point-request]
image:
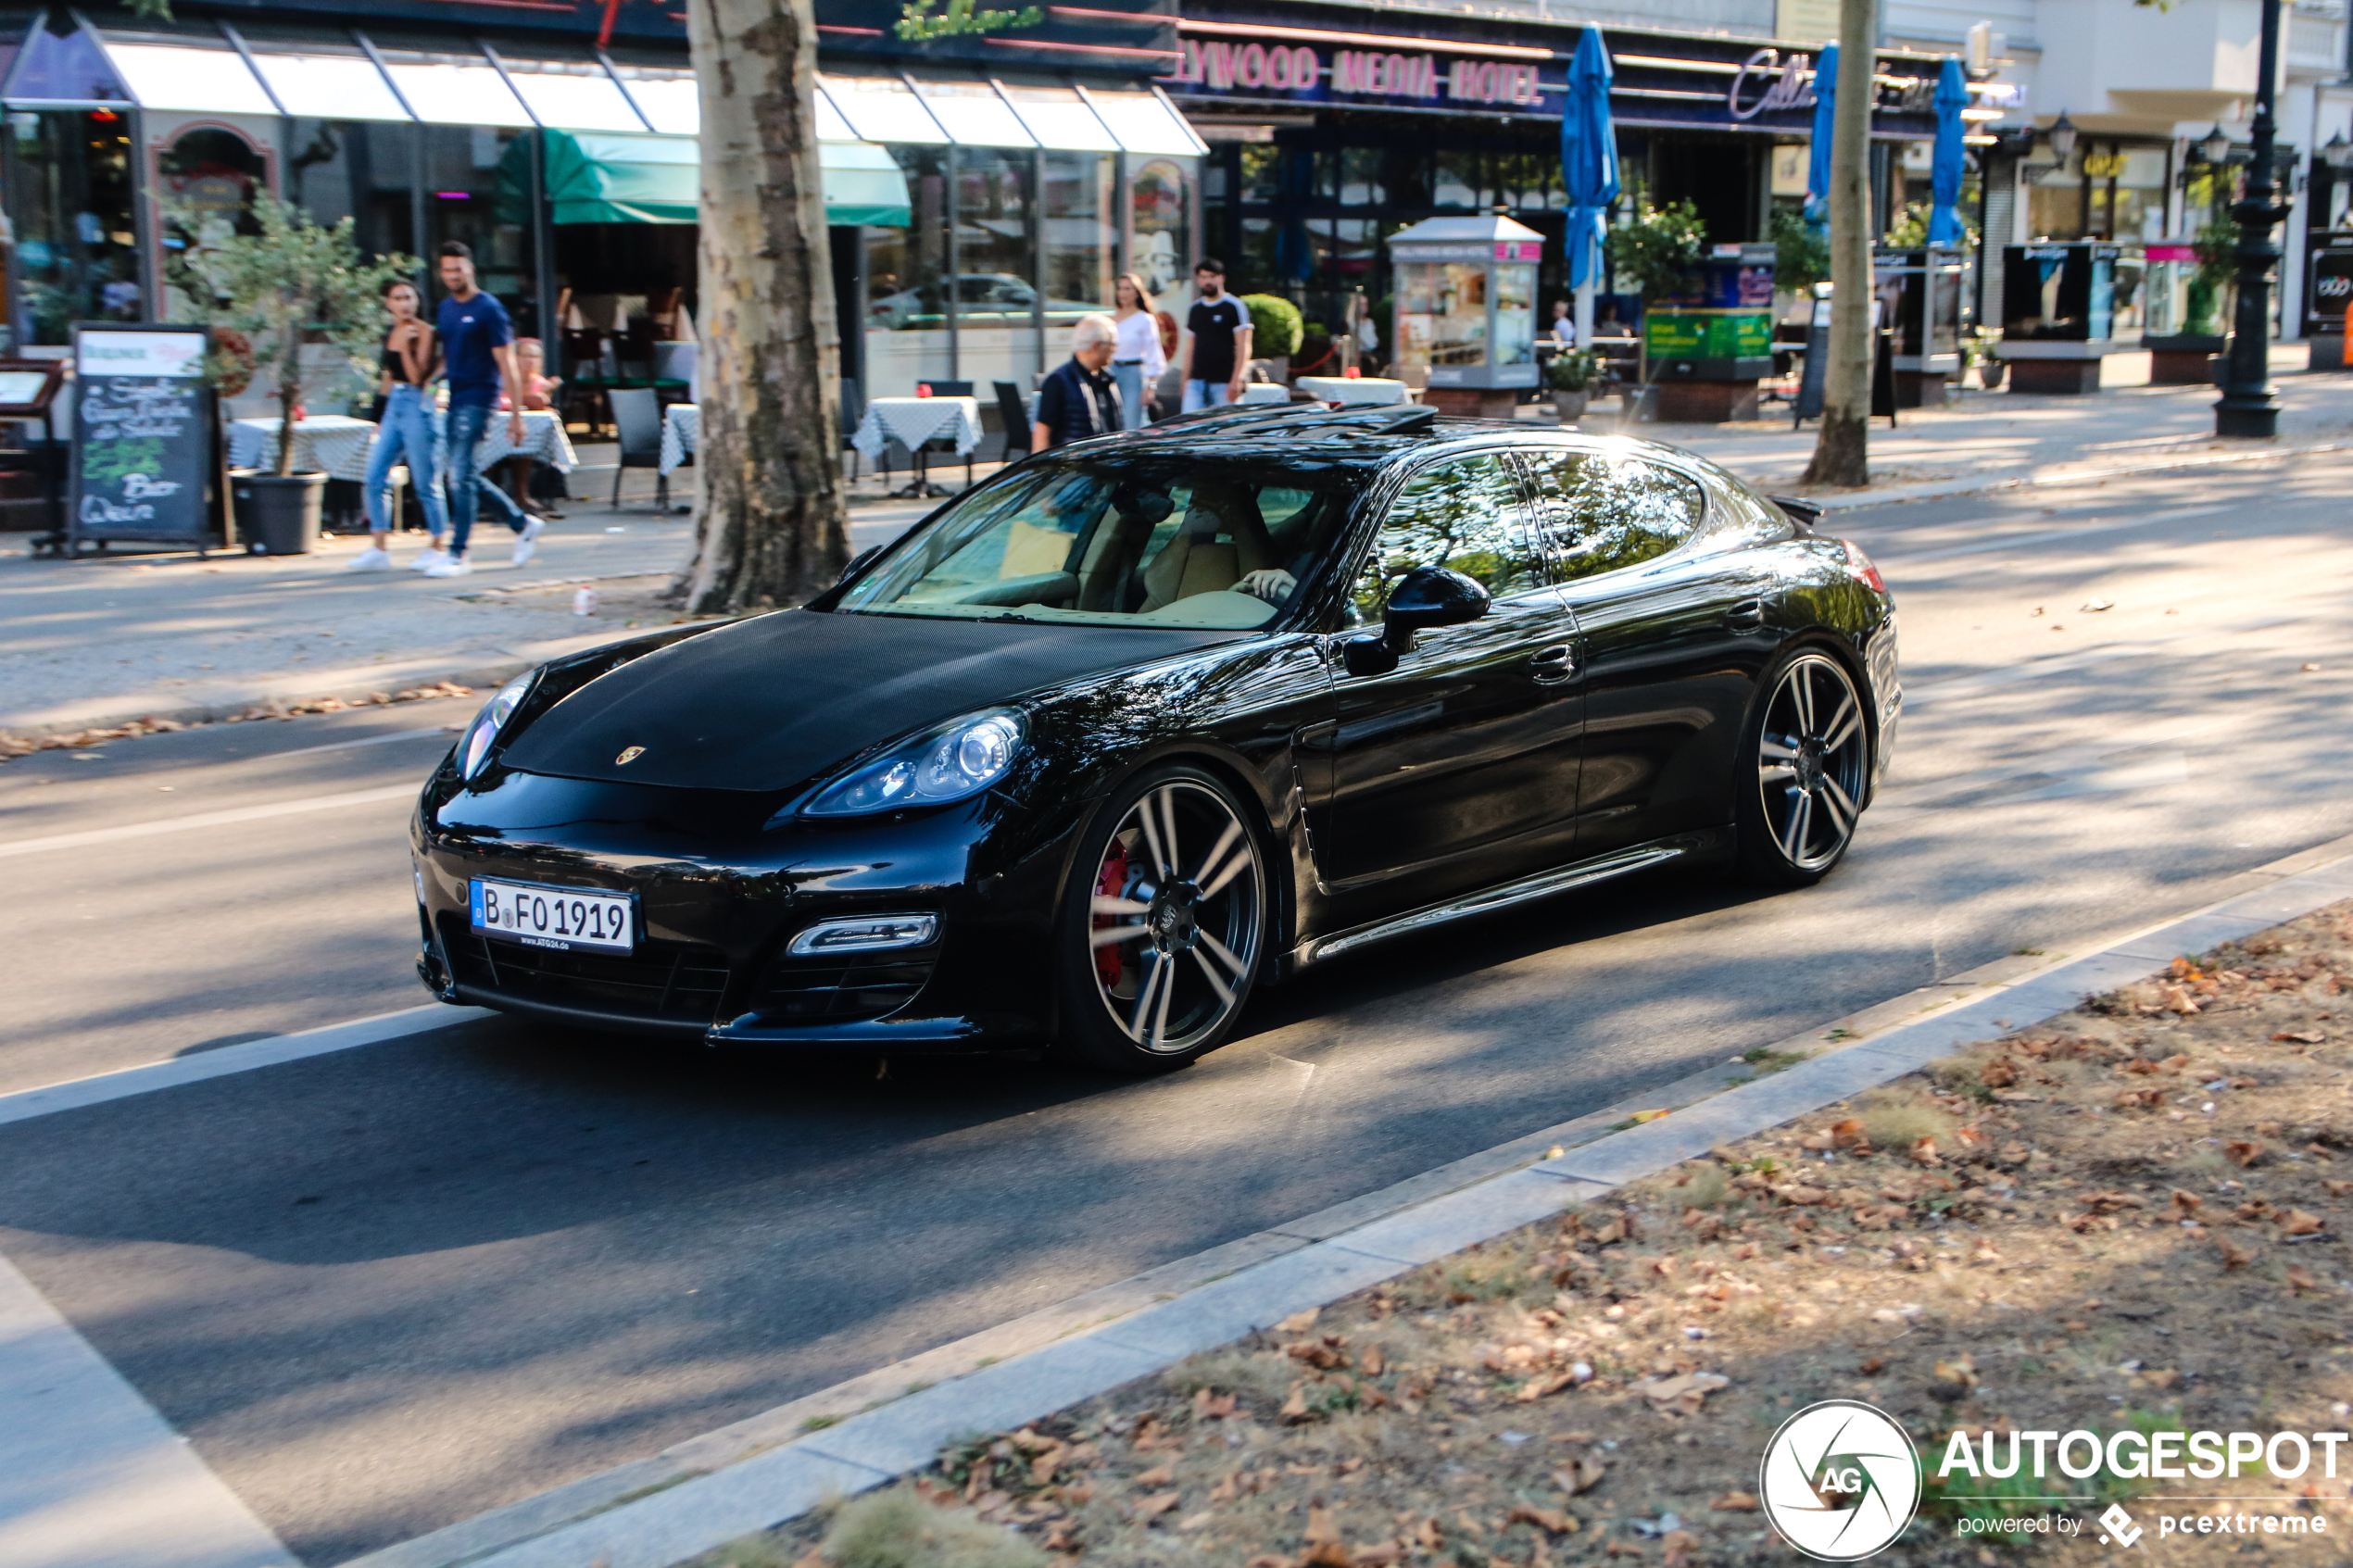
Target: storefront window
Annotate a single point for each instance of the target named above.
(1261, 162)
(2140, 194)
(77, 243)
(1361, 181)
(1458, 181)
(906, 283)
(996, 298)
(1081, 238)
(1157, 243)
(2054, 198)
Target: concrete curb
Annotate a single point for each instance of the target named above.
(775, 1466)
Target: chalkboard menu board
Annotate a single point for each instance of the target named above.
(142, 437)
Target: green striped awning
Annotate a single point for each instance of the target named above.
(601, 177)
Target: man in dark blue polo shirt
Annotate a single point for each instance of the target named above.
(478, 355)
(1079, 399)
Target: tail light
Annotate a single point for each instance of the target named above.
(1860, 565)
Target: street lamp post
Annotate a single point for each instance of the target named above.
(2247, 407)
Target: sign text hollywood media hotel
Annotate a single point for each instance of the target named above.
(1220, 64)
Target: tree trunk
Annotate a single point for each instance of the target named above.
(773, 530)
(289, 390)
(1841, 452)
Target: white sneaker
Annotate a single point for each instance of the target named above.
(434, 556)
(527, 542)
(373, 558)
(449, 566)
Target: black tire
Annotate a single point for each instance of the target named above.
(1172, 991)
(1803, 771)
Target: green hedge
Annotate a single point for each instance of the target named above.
(1275, 326)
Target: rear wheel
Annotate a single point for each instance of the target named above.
(1163, 931)
(1810, 747)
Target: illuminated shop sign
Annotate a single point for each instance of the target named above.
(1222, 66)
(1284, 55)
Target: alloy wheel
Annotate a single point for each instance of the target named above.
(1813, 757)
(1175, 917)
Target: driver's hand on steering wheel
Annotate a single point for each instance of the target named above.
(1272, 584)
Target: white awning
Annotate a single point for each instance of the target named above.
(173, 76)
(581, 99)
(329, 86)
(673, 103)
(1145, 124)
(1060, 118)
(881, 110)
(831, 127)
(973, 115)
(447, 93)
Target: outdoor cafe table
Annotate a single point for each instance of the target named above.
(681, 426)
(1375, 390)
(337, 445)
(914, 423)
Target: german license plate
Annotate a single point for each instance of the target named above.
(567, 919)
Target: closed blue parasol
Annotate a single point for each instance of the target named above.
(1818, 162)
(1945, 172)
(1588, 156)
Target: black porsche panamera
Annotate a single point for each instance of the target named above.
(1140, 725)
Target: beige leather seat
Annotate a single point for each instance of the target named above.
(1222, 541)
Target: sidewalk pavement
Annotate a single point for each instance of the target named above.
(108, 639)
(105, 640)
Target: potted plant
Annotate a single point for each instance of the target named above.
(1977, 348)
(1275, 328)
(1573, 374)
(1660, 248)
(268, 294)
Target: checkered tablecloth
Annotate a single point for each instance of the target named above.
(911, 422)
(681, 424)
(337, 444)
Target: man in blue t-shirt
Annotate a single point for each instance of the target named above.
(478, 356)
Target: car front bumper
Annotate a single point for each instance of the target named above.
(719, 888)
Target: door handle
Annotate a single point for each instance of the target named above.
(1551, 664)
(1745, 616)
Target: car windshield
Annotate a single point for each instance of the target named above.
(1156, 541)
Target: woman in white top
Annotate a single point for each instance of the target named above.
(1137, 358)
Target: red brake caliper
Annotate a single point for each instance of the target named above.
(1111, 883)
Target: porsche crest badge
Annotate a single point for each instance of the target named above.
(631, 755)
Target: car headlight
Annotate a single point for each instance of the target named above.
(483, 734)
(950, 763)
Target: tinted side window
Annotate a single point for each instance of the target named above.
(1464, 514)
(1601, 512)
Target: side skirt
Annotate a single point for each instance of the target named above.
(1543, 885)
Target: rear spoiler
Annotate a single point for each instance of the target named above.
(1801, 512)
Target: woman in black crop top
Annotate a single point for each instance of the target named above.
(411, 359)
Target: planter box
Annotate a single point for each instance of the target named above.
(2183, 358)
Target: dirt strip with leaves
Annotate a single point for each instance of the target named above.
(2132, 1215)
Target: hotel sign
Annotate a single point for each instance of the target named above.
(1223, 65)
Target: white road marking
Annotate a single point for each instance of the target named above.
(207, 819)
(75, 1093)
(91, 1476)
(440, 731)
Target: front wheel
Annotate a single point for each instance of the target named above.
(1162, 932)
(1810, 748)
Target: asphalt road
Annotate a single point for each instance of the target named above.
(387, 1289)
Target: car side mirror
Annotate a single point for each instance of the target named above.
(1428, 597)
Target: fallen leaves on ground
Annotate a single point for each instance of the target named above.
(1596, 1387)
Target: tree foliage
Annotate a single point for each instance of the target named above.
(1658, 246)
(1801, 253)
(292, 283)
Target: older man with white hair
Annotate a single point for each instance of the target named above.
(1079, 399)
